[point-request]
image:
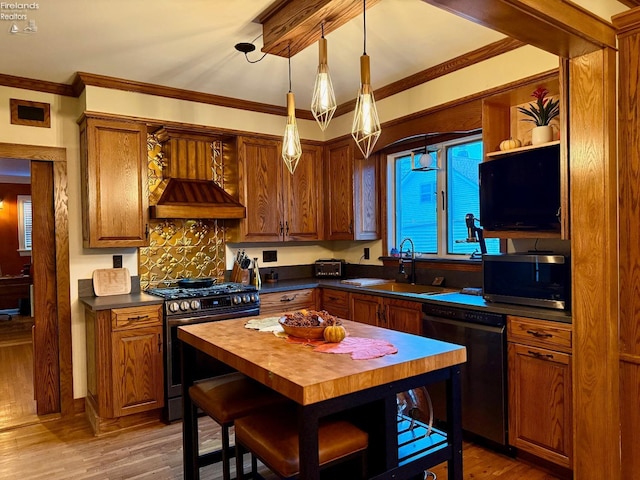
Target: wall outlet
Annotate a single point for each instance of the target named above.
(366, 253)
(117, 261)
(269, 256)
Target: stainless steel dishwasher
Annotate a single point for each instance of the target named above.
(484, 375)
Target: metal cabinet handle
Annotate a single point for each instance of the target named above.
(539, 334)
(288, 299)
(281, 228)
(541, 356)
(159, 343)
(287, 227)
(139, 317)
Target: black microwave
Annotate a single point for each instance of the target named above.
(536, 280)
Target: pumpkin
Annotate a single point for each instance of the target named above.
(334, 333)
(510, 144)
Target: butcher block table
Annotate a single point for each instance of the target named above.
(323, 383)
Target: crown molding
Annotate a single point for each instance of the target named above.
(36, 85)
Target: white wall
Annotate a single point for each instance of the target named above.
(64, 133)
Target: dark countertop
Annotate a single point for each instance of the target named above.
(451, 299)
(121, 301)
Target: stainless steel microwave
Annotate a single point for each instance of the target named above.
(528, 279)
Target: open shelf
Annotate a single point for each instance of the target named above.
(521, 149)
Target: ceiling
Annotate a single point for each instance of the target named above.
(190, 45)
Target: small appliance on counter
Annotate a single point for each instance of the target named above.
(331, 268)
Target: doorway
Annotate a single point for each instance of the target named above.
(17, 400)
(51, 365)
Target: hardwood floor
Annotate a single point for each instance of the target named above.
(66, 449)
(17, 406)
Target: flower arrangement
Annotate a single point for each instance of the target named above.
(543, 111)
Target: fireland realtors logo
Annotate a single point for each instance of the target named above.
(19, 16)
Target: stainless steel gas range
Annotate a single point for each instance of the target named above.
(184, 306)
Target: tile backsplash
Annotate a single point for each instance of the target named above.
(180, 248)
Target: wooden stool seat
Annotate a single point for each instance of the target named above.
(225, 399)
(272, 436)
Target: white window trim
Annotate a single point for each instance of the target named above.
(442, 213)
(22, 249)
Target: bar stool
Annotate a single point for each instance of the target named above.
(225, 399)
(272, 436)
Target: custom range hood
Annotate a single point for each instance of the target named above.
(189, 163)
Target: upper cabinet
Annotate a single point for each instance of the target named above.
(501, 120)
(280, 206)
(114, 182)
(351, 194)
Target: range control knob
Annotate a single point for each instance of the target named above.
(184, 305)
(254, 297)
(237, 299)
(174, 307)
(195, 304)
(246, 298)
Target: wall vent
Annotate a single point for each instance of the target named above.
(33, 114)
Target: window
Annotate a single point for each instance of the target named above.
(24, 224)
(429, 206)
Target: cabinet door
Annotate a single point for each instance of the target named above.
(261, 189)
(404, 316)
(114, 183)
(366, 198)
(338, 173)
(303, 201)
(138, 376)
(366, 309)
(540, 402)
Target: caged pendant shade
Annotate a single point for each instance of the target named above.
(323, 102)
(366, 125)
(291, 148)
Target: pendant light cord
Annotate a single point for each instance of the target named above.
(364, 21)
(289, 55)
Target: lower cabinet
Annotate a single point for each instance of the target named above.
(540, 411)
(125, 373)
(402, 315)
(277, 302)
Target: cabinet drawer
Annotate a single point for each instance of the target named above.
(136, 317)
(335, 299)
(544, 333)
(287, 301)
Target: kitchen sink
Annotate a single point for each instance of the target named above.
(408, 288)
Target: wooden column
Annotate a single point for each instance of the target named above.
(628, 25)
(594, 256)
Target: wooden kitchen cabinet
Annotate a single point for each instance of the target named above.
(125, 373)
(540, 408)
(115, 194)
(280, 206)
(351, 194)
(336, 302)
(278, 302)
(401, 315)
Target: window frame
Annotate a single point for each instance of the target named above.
(441, 180)
(23, 249)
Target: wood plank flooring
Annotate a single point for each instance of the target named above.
(66, 449)
(17, 406)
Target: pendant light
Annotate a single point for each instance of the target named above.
(366, 126)
(291, 149)
(323, 102)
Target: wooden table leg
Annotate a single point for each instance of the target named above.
(189, 415)
(454, 412)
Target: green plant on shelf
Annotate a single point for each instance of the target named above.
(543, 110)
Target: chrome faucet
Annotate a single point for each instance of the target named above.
(412, 275)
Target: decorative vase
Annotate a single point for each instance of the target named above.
(540, 135)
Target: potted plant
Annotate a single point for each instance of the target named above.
(541, 113)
